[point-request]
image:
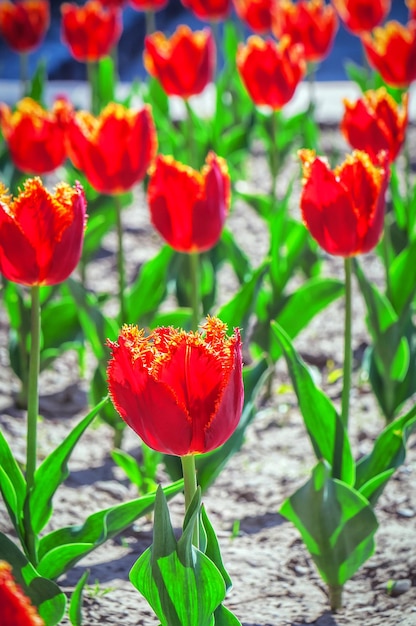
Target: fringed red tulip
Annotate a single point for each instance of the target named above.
(189, 208)
(391, 50)
(361, 16)
(41, 233)
(309, 22)
(344, 208)
(209, 10)
(181, 392)
(16, 607)
(24, 24)
(115, 149)
(184, 63)
(271, 71)
(257, 14)
(90, 31)
(36, 136)
(376, 122)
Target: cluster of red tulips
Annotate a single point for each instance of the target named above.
(185, 391)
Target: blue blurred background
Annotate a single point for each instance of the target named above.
(61, 66)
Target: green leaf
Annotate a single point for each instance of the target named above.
(212, 548)
(302, 305)
(38, 82)
(388, 453)
(358, 75)
(149, 290)
(12, 485)
(236, 312)
(224, 617)
(228, 250)
(336, 522)
(403, 279)
(181, 584)
(75, 604)
(324, 426)
(106, 81)
(62, 548)
(44, 594)
(53, 471)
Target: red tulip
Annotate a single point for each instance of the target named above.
(257, 14)
(24, 24)
(188, 208)
(376, 122)
(183, 64)
(90, 31)
(361, 16)
(148, 5)
(391, 51)
(115, 149)
(209, 10)
(182, 393)
(16, 607)
(35, 136)
(41, 233)
(344, 208)
(270, 71)
(309, 22)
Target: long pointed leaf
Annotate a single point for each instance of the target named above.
(323, 424)
(53, 471)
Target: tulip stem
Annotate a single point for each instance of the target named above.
(92, 73)
(195, 290)
(193, 158)
(346, 387)
(120, 262)
(32, 411)
(190, 486)
(150, 22)
(24, 72)
(274, 157)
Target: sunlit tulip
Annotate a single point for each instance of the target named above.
(257, 14)
(148, 5)
(376, 122)
(184, 63)
(209, 10)
(24, 24)
(271, 71)
(391, 50)
(344, 208)
(361, 16)
(189, 208)
(36, 136)
(16, 607)
(41, 233)
(309, 22)
(114, 149)
(90, 31)
(181, 392)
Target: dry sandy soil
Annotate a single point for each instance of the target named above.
(275, 581)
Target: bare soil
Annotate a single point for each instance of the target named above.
(275, 581)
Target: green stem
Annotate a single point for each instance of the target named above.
(274, 157)
(195, 290)
(335, 597)
(120, 263)
(92, 74)
(386, 247)
(193, 155)
(190, 486)
(150, 22)
(347, 343)
(32, 415)
(24, 72)
(312, 89)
